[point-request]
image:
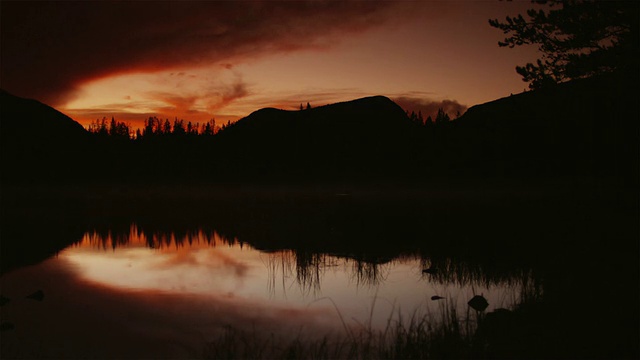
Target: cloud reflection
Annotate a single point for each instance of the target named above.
(206, 266)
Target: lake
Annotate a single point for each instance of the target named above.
(218, 276)
(169, 295)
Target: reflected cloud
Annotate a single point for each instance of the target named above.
(183, 288)
(205, 264)
(162, 263)
(87, 319)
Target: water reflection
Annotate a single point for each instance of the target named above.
(160, 285)
(207, 263)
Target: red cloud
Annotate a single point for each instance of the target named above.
(49, 48)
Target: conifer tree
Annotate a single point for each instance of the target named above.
(577, 39)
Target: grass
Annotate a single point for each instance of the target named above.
(444, 333)
(420, 336)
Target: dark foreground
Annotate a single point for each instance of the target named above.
(578, 238)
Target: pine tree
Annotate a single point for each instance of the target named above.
(577, 39)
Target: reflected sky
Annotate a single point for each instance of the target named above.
(172, 295)
(208, 265)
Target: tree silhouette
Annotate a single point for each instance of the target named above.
(209, 128)
(442, 117)
(166, 128)
(99, 127)
(178, 127)
(577, 39)
(116, 129)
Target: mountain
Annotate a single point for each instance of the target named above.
(580, 129)
(30, 118)
(362, 138)
(37, 141)
(584, 127)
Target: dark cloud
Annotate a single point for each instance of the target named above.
(229, 94)
(175, 103)
(430, 107)
(316, 98)
(50, 48)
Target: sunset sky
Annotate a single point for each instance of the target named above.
(223, 60)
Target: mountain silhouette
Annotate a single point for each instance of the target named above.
(363, 137)
(583, 128)
(586, 127)
(37, 141)
(32, 119)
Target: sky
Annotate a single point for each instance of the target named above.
(225, 59)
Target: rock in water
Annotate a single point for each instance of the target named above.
(478, 303)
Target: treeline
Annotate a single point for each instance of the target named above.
(153, 127)
(441, 118)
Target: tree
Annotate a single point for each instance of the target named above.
(308, 106)
(442, 117)
(113, 127)
(577, 39)
(99, 127)
(178, 127)
(116, 129)
(209, 128)
(166, 128)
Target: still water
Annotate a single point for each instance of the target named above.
(167, 295)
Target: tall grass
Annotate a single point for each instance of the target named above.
(418, 336)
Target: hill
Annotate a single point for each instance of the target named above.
(37, 141)
(586, 127)
(360, 138)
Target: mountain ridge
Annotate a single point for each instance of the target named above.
(23, 114)
(580, 128)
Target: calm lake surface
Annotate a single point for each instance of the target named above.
(166, 295)
(145, 275)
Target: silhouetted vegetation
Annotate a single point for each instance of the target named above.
(429, 336)
(577, 39)
(115, 129)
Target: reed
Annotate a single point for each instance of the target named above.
(416, 336)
